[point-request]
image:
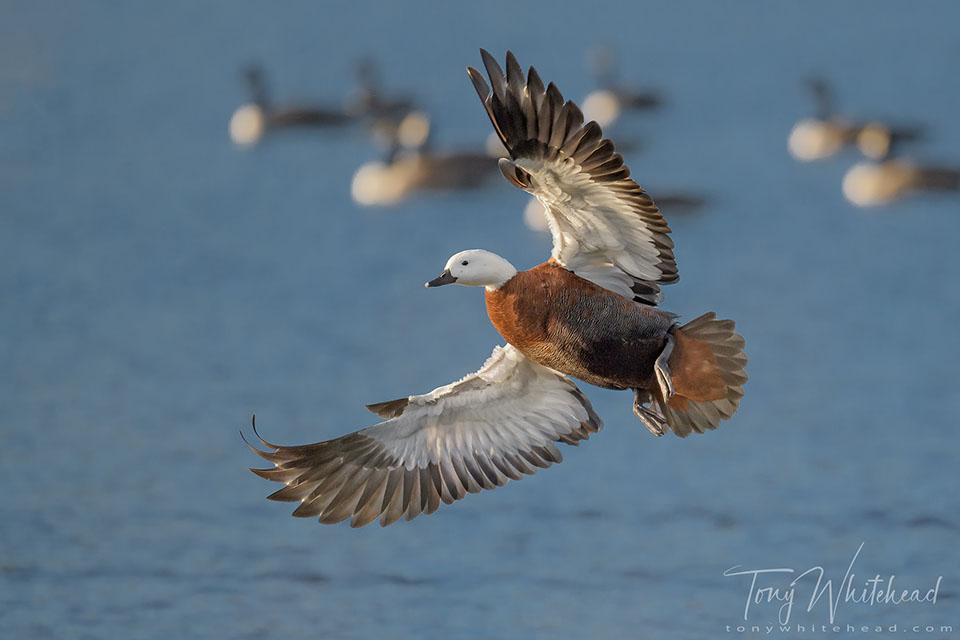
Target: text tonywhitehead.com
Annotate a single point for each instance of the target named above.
(826, 628)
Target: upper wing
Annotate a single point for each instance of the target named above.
(491, 426)
(602, 221)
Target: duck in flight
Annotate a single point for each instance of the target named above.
(589, 312)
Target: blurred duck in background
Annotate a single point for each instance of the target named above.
(827, 132)
(605, 104)
(384, 114)
(869, 184)
(252, 120)
(368, 98)
(366, 103)
(411, 166)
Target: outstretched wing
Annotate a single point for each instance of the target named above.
(605, 227)
(492, 426)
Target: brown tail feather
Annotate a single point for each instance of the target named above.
(707, 371)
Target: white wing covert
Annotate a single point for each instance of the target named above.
(491, 426)
(605, 227)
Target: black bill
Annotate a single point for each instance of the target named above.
(444, 278)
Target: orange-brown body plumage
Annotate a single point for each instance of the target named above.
(574, 326)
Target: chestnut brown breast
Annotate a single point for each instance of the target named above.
(570, 324)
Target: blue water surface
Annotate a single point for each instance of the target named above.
(158, 286)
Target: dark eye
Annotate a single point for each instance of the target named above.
(464, 263)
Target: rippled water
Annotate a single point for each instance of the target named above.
(158, 286)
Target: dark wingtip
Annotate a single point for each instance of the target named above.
(492, 66)
(262, 454)
(263, 473)
(253, 422)
(266, 455)
(533, 80)
(390, 408)
(481, 86)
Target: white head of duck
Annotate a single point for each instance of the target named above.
(475, 268)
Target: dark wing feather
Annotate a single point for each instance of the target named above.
(597, 213)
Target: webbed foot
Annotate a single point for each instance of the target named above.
(651, 417)
(662, 370)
